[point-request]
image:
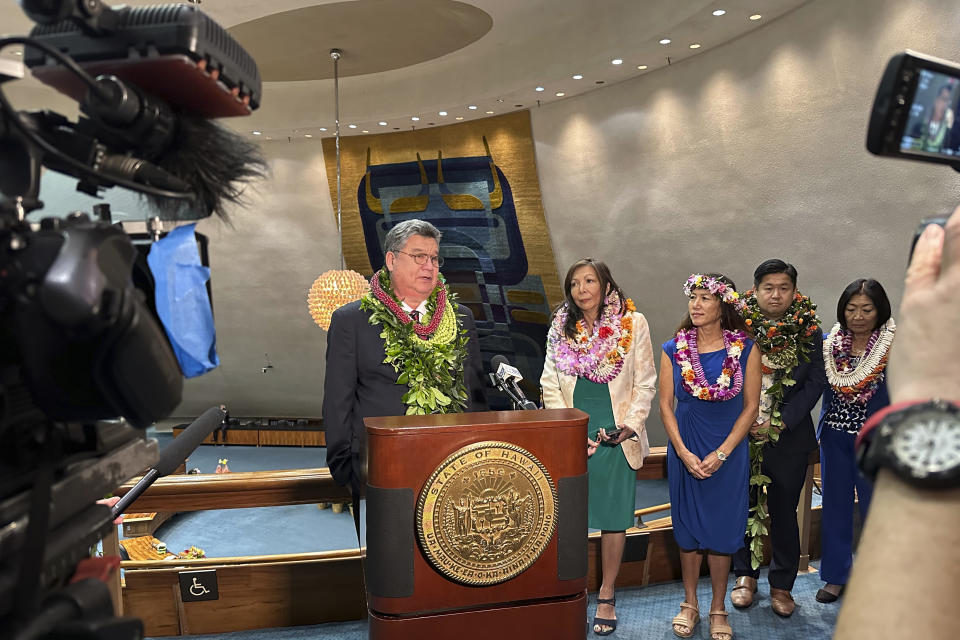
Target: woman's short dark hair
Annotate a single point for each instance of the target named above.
(775, 266)
(574, 314)
(730, 318)
(873, 290)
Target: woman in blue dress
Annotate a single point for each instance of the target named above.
(712, 374)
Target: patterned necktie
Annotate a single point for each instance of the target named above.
(415, 315)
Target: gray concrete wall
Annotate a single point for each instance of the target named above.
(753, 150)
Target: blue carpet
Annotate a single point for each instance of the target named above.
(643, 612)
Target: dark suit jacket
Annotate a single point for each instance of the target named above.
(359, 385)
(799, 400)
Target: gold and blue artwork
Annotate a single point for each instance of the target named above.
(477, 183)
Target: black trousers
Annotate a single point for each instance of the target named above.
(221, 430)
(787, 471)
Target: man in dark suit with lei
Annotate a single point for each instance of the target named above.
(787, 331)
(404, 348)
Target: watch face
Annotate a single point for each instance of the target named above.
(928, 444)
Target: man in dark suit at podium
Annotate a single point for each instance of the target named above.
(401, 349)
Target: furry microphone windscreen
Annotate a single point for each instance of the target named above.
(217, 163)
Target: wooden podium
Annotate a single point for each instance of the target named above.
(410, 594)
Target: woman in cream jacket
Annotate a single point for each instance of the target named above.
(600, 360)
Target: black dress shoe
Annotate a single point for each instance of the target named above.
(826, 597)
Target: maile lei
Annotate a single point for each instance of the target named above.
(782, 343)
(692, 377)
(857, 384)
(428, 356)
(597, 357)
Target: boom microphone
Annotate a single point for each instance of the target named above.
(507, 377)
(171, 457)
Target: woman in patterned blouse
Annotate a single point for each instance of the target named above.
(855, 356)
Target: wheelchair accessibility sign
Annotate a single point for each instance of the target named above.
(198, 585)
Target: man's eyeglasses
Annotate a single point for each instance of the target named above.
(421, 258)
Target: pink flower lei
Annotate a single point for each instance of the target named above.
(598, 357)
(692, 377)
(423, 331)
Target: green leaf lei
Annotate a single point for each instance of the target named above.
(431, 368)
(782, 343)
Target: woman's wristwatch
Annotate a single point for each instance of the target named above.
(918, 441)
(721, 456)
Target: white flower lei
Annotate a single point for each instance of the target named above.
(867, 364)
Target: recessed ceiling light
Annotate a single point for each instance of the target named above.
(489, 111)
(365, 131)
(382, 123)
(616, 61)
(459, 118)
(539, 89)
(256, 133)
(578, 77)
(642, 67)
(323, 128)
(352, 126)
(269, 138)
(665, 41)
(719, 12)
(559, 94)
(756, 16)
(415, 119)
(441, 113)
(473, 106)
(695, 45)
(308, 135)
(18, 53)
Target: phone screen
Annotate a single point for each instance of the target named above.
(932, 127)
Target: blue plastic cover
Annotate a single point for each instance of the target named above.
(182, 301)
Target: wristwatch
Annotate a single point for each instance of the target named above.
(721, 456)
(919, 442)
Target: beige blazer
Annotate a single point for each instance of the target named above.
(631, 392)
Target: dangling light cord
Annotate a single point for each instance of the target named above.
(336, 54)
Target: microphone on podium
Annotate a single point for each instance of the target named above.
(171, 458)
(505, 378)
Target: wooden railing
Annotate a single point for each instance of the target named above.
(237, 490)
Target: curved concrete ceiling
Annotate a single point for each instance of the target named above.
(413, 66)
(375, 36)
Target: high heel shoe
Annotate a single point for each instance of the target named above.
(600, 623)
(826, 597)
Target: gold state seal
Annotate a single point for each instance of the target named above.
(487, 513)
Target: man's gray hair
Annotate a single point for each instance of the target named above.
(397, 236)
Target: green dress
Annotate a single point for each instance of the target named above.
(612, 483)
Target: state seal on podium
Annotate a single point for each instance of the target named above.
(486, 513)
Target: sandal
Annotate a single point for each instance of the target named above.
(600, 623)
(682, 621)
(720, 630)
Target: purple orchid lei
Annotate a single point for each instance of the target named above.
(598, 357)
(692, 377)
